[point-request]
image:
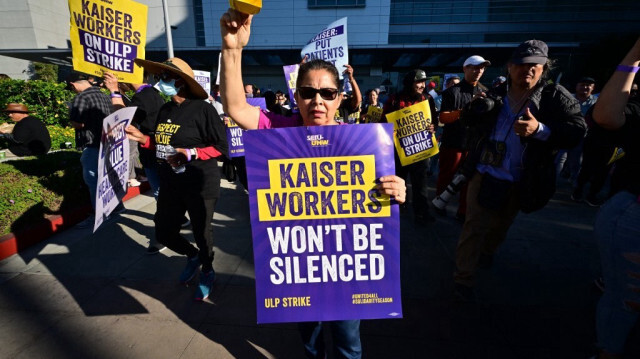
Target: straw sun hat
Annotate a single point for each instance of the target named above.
(176, 66)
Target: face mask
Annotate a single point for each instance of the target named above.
(167, 88)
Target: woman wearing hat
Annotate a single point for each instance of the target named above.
(30, 136)
(189, 138)
(512, 157)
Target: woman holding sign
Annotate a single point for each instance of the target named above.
(318, 98)
(189, 138)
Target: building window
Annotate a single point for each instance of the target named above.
(319, 4)
(197, 11)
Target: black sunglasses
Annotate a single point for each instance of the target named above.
(165, 76)
(308, 93)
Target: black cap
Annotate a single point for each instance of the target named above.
(587, 80)
(531, 52)
(76, 76)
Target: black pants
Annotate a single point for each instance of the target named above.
(418, 173)
(171, 207)
(595, 167)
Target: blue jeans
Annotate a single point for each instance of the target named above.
(345, 334)
(89, 161)
(617, 230)
(150, 165)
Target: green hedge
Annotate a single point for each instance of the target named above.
(35, 188)
(48, 100)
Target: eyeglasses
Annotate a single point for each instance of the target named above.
(308, 93)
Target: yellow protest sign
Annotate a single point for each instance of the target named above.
(373, 114)
(108, 36)
(413, 140)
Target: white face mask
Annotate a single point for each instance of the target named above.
(167, 88)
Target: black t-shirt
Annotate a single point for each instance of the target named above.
(627, 169)
(31, 137)
(148, 101)
(191, 124)
(455, 98)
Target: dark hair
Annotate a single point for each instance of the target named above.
(318, 64)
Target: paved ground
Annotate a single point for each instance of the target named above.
(80, 295)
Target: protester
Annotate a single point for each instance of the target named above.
(29, 136)
(453, 146)
(318, 98)
(349, 110)
(148, 101)
(189, 138)
(570, 160)
(617, 225)
(498, 81)
(372, 101)
(453, 80)
(513, 157)
(88, 110)
(411, 94)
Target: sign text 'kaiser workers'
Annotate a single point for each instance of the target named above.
(113, 163)
(413, 140)
(108, 36)
(326, 242)
(330, 44)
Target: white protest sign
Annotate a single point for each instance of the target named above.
(204, 79)
(330, 44)
(113, 163)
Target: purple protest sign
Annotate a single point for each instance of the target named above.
(326, 244)
(234, 133)
(259, 102)
(291, 75)
(234, 139)
(114, 55)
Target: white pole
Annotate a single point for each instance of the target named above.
(167, 28)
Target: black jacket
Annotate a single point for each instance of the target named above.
(557, 109)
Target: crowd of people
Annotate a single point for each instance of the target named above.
(504, 146)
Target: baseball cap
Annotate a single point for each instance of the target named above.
(587, 80)
(531, 52)
(476, 60)
(76, 76)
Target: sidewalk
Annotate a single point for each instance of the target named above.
(80, 295)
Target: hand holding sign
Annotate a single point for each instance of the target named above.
(393, 186)
(235, 29)
(251, 7)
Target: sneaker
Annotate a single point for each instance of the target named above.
(193, 264)
(185, 222)
(593, 202)
(88, 222)
(206, 283)
(155, 249)
(134, 182)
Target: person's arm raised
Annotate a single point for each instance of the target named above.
(235, 28)
(608, 111)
